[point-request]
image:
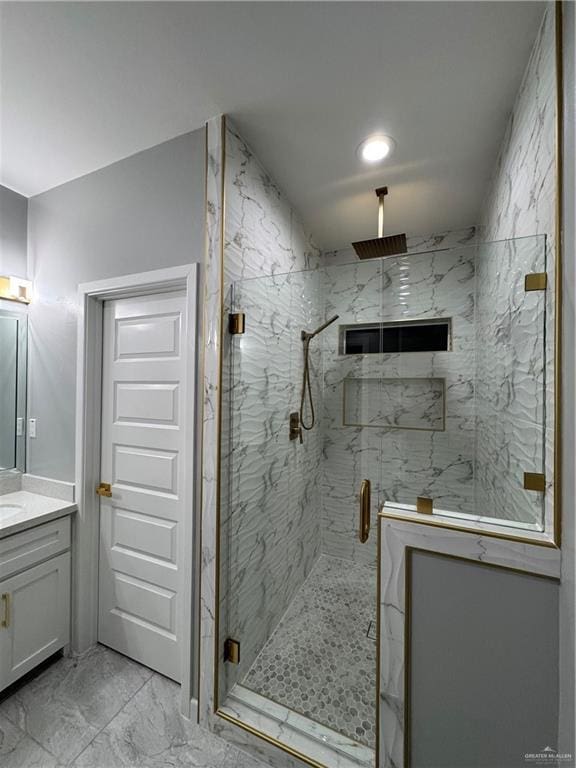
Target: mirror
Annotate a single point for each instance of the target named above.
(13, 363)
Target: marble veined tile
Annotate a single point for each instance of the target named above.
(17, 750)
(263, 234)
(416, 403)
(401, 463)
(150, 732)
(270, 539)
(72, 700)
(516, 361)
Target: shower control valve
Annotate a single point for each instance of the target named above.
(295, 428)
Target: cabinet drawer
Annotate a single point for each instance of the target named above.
(25, 549)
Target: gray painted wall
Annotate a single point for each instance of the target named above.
(484, 664)
(13, 215)
(145, 212)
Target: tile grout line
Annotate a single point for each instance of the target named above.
(26, 733)
(152, 673)
(32, 738)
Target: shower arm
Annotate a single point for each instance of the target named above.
(381, 193)
(307, 335)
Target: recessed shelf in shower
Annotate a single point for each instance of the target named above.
(400, 403)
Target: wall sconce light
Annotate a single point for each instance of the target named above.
(16, 289)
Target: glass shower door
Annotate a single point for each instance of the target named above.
(270, 526)
(297, 587)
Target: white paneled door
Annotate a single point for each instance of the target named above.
(143, 443)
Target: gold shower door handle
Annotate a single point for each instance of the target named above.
(6, 614)
(364, 529)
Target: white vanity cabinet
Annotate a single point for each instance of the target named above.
(34, 597)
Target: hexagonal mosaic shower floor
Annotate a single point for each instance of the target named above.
(321, 659)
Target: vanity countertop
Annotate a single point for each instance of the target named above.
(21, 510)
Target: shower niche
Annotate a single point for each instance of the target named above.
(411, 387)
(400, 403)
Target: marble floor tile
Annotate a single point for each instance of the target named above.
(69, 703)
(17, 750)
(150, 733)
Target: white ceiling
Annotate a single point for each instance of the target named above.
(85, 84)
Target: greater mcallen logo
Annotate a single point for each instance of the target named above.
(547, 754)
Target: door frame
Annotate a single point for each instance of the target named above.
(86, 525)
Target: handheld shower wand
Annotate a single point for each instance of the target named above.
(307, 337)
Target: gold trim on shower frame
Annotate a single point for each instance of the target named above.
(217, 644)
(557, 506)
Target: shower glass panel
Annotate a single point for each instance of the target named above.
(514, 380)
(488, 389)
(434, 458)
(458, 426)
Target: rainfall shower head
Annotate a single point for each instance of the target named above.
(378, 247)
(306, 336)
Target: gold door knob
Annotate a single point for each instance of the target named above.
(104, 489)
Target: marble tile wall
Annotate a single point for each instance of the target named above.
(270, 522)
(512, 353)
(401, 464)
(211, 388)
(210, 651)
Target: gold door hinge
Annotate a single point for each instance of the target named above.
(534, 481)
(236, 323)
(232, 651)
(104, 489)
(535, 281)
(424, 505)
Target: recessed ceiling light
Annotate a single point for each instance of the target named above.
(375, 148)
